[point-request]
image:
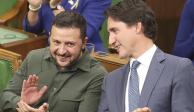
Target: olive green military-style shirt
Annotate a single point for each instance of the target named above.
(74, 89)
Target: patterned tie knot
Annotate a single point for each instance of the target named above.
(135, 64)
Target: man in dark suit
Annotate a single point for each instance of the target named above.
(160, 82)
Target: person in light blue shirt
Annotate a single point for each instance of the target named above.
(41, 14)
(184, 44)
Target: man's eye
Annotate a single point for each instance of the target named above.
(56, 42)
(115, 31)
(70, 44)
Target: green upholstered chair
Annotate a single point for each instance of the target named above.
(103, 31)
(6, 73)
(9, 63)
(6, 5)
(9, 12)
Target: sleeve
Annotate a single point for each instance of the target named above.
(37, 28)
(11, 94)
(184, 43)
(92, 95)
(94, 15)
(103, 106)
(183, 88)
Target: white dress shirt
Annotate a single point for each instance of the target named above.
(145, 60)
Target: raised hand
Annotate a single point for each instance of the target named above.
(23, 107)
(144, 109)
(35, 3)
(54, 3)
(30, 92)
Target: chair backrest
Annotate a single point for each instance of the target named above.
(9, 63)
(6, 5)
(10, 12)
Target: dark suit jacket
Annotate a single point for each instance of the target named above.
(168, 86)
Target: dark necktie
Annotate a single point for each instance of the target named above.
(134, 87)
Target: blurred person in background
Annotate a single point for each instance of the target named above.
(41, 13)
(184, 43)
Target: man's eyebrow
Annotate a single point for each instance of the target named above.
(113, 29)
(70, 42)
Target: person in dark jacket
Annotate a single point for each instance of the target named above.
(184, 43)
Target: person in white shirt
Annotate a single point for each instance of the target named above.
(152, 80)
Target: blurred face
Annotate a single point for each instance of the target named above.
(66, 45)
(122, 37)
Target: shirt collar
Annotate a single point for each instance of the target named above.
(84, 62)
(47, 54)
(145, 58)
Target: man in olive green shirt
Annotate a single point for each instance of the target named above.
(63, 76)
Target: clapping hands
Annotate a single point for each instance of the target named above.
(23, 107)
(30, 94)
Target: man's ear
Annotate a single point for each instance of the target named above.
(139, 27)
(84, 41)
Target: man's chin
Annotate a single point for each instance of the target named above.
(63, 64)
(123, 55)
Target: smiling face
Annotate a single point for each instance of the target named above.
(122, 37)
(66, 45)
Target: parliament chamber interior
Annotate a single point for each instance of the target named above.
(15, 43)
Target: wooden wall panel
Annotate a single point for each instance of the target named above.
(167, 14)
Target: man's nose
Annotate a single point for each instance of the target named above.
(111, 39)
(62, 49)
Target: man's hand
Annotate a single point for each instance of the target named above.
(23, 107)
(30, 93)
(58, 10)
(35, 3)
(54, 3)
(144, 109)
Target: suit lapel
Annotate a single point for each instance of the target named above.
(121, 88)
(152, 77)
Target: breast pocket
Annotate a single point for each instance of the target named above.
(68, 103)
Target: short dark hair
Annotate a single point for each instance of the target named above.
(133, 11)
(71, 19)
